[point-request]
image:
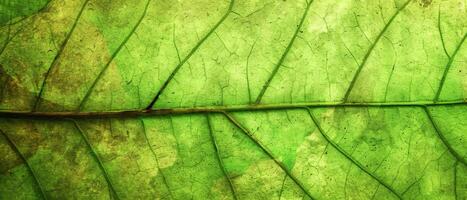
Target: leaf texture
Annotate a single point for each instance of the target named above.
(233, 99)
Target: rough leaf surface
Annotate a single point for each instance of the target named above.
(233, 99)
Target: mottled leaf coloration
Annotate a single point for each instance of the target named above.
(233, 99)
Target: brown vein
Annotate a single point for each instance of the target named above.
(212, 109)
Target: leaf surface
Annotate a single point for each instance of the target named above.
(233, 99)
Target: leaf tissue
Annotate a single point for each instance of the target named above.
(233, 99)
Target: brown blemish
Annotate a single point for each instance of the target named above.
(425, 3)
(28, 144)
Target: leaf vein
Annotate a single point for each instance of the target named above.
(267, 152)
(180, 64)
(97, 159)
(442, 137)
(219, 159)
(57, 56)
(31, 171)
(370, 50)
(164, 179)
(348, 156)
(104, 69)
(446, 69)
(284, 54)
(213, 109)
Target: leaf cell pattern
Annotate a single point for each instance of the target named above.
(233, 99)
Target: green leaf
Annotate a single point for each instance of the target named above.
(233, 99)
(15, 11)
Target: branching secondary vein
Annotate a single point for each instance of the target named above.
(57, 56)
(348, 156)
(370, 50)
(446, 69)
(106, 66)
(441, 33)
(284, 55)
(442, 138)
(97, 158)
(155, 156)
(31, 171)
(219, 159)
(180, 64)
(268, 153)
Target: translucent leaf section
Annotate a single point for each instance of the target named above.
(233, 99)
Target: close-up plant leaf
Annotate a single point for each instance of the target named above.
(233, 99)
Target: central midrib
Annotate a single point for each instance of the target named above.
(212, 109)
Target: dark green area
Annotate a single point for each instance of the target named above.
(11, 10)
